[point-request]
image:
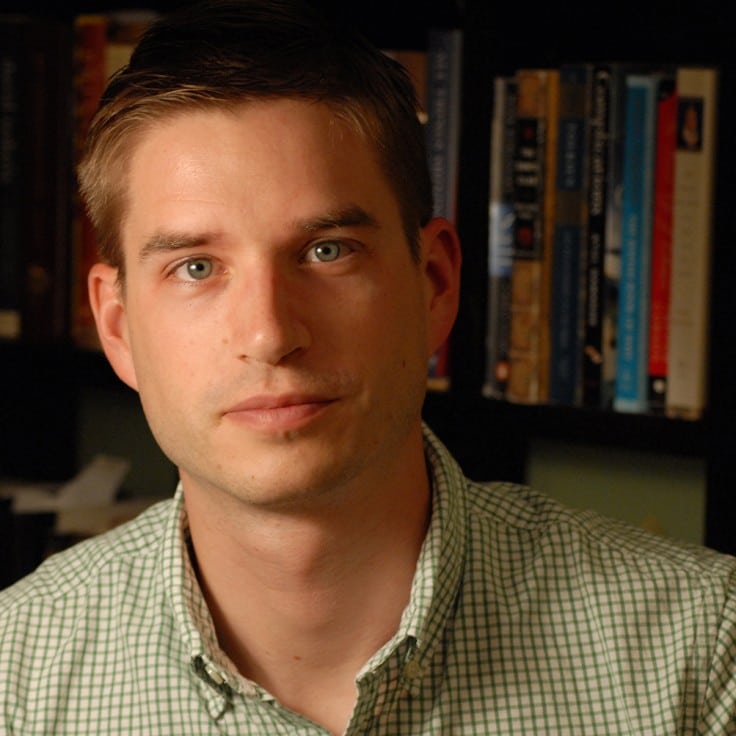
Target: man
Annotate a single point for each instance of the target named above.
(272, 284)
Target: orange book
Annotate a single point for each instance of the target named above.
(534, 168)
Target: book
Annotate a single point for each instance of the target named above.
(595, 236)
(47, 181)
(603, 251)
(570, 228)
(103, 43)
(415, 63)
(687, 356)
(534, 171)
(631, 393)
(444, 65)
(89, 78)
(124, 28)
(661, 242)
(444, 94)
(500, 237)
(12, 140)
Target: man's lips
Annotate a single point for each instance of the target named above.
(267, 402)
(279, 413)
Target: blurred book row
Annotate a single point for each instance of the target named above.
(52, 73)
(601, 201)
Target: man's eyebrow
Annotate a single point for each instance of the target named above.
(349, 216)
(165, 242)
(168, 241)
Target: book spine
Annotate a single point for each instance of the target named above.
(633, 318)
(444, 59)
(691, 242)
(548, 232)
(569, 235)
(12, 142)
(62, 124)
(534, 162)
(415, 63)
(124, 29)
(444, 63)
(500, 237)
(89, 78)
(103, 44)
(661, 243)
(612, 233)
(45, 286)
(595, 237)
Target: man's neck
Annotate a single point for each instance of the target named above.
(301, 601)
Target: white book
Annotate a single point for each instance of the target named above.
(500, 236)
(687, 355)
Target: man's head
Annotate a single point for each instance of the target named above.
(273, 317)
(222, 54)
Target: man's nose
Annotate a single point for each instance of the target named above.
(268, 318)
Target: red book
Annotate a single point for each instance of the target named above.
(664, 178)
(90, 40)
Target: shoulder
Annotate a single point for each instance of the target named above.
(516, 530)
(531, 525)
(78, 601)
(608, 590)
(97, 612)
(87, 565)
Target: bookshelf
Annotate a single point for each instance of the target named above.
(490, 438)
(498, 39)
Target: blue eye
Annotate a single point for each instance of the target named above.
(198, 268)
(325, 252)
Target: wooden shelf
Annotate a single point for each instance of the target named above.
(518, 425)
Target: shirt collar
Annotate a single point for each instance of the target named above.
(217, 680)
(439, 570)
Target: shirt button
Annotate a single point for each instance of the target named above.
(412, 670)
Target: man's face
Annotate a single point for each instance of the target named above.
(272, 317)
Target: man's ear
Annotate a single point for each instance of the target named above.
(108, 306)
(441, 261)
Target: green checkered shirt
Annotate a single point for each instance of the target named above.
(525, 618)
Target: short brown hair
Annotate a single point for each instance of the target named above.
(222, 54)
